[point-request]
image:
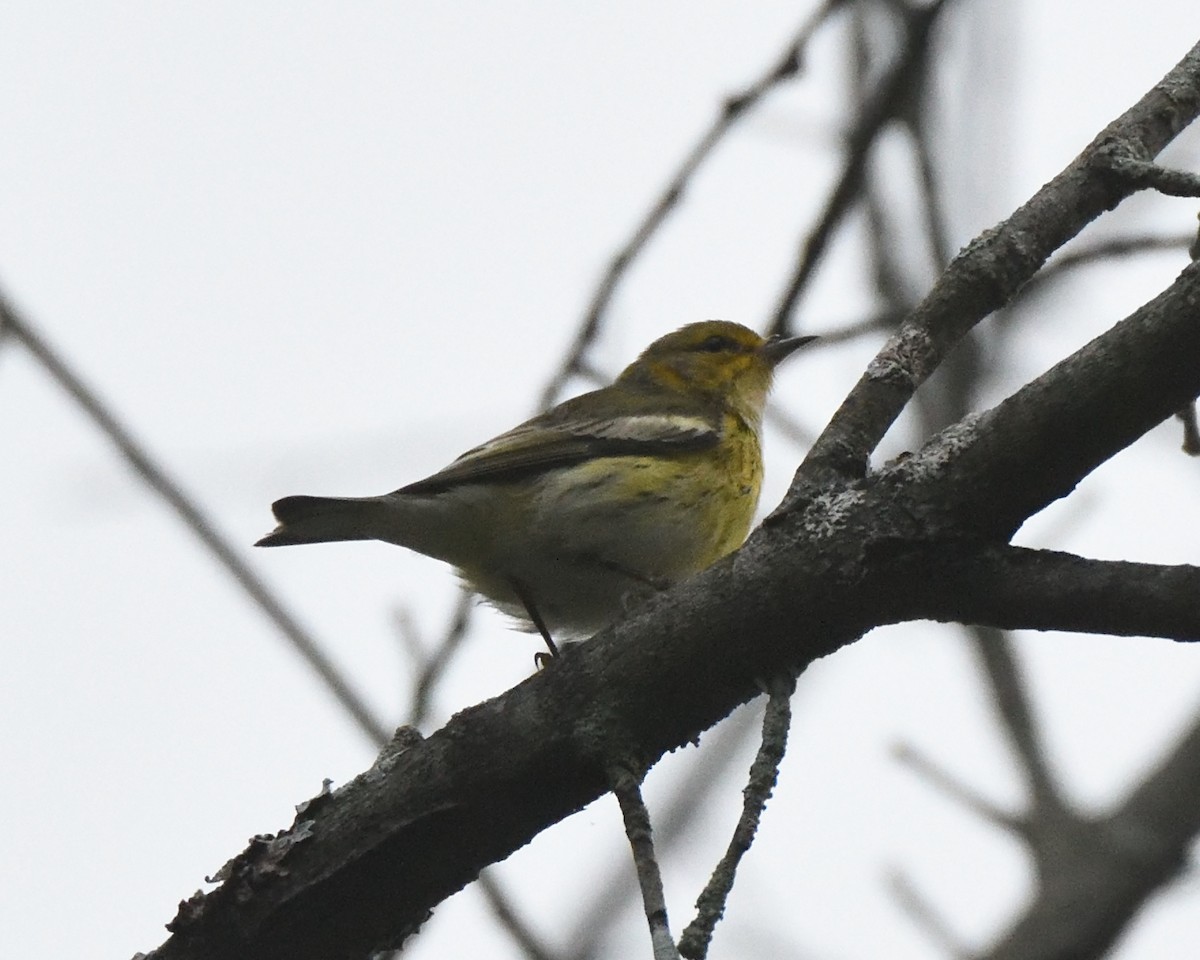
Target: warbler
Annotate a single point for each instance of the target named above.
(627, 489)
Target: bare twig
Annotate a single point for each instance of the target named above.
(431, 670)
(890, 97)
(687, 797)
(1114, 247)
(431, 667)
(1100, 251)
(955, 788)
(168, 490)
(925, 917)
(785, 67)
(793, 432)
(1147, 175)
(637, 828)
(886, 268)
(898, 278)
(879, 322)
(763, 773)
(936, 227)
(999, 662)
(1095, 873)
(515, 925)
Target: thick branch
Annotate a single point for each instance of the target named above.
(1100, 872)
(1037, 445)
(1015, 588)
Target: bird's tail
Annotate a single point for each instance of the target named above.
(323, 519)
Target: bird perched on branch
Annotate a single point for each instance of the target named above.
(620, 491)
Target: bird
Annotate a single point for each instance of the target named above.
(565, 520)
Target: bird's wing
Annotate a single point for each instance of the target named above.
(570, 434)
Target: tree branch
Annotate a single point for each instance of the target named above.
(198, 524)
(1104, 251)
(1095, 874)
(784, 68)
(956, 789)
(889, 99)
(1144, 175)
(710, 906)
(628, 792)
(513, 923)
(993, 267)
(910, 900)
(1015, 588)
(1037, 445)
(995, 651)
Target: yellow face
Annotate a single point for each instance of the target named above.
(717, 359)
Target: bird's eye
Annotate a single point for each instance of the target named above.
(716, 343)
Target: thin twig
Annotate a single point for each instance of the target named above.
(898, 278)
(996, 656)
(1100, 251)
(637, 828)
(883, 241)
(785, 67)
(1147, 175)
(678, 813)
(879, 322)
(432, 667)
(956, 789)
(155, 476)
(890, 98)
(764, 772)
(925, 917)
(1113, 247)
(514, 925)
(933, 204)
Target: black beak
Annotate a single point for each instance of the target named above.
(778, 349)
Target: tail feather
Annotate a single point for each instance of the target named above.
(305, 519)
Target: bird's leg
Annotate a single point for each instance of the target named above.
(522, 593)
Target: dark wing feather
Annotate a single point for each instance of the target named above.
(571, 433)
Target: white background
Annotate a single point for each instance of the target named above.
(324, 248)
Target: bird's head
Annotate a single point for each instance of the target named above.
(717, 361)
